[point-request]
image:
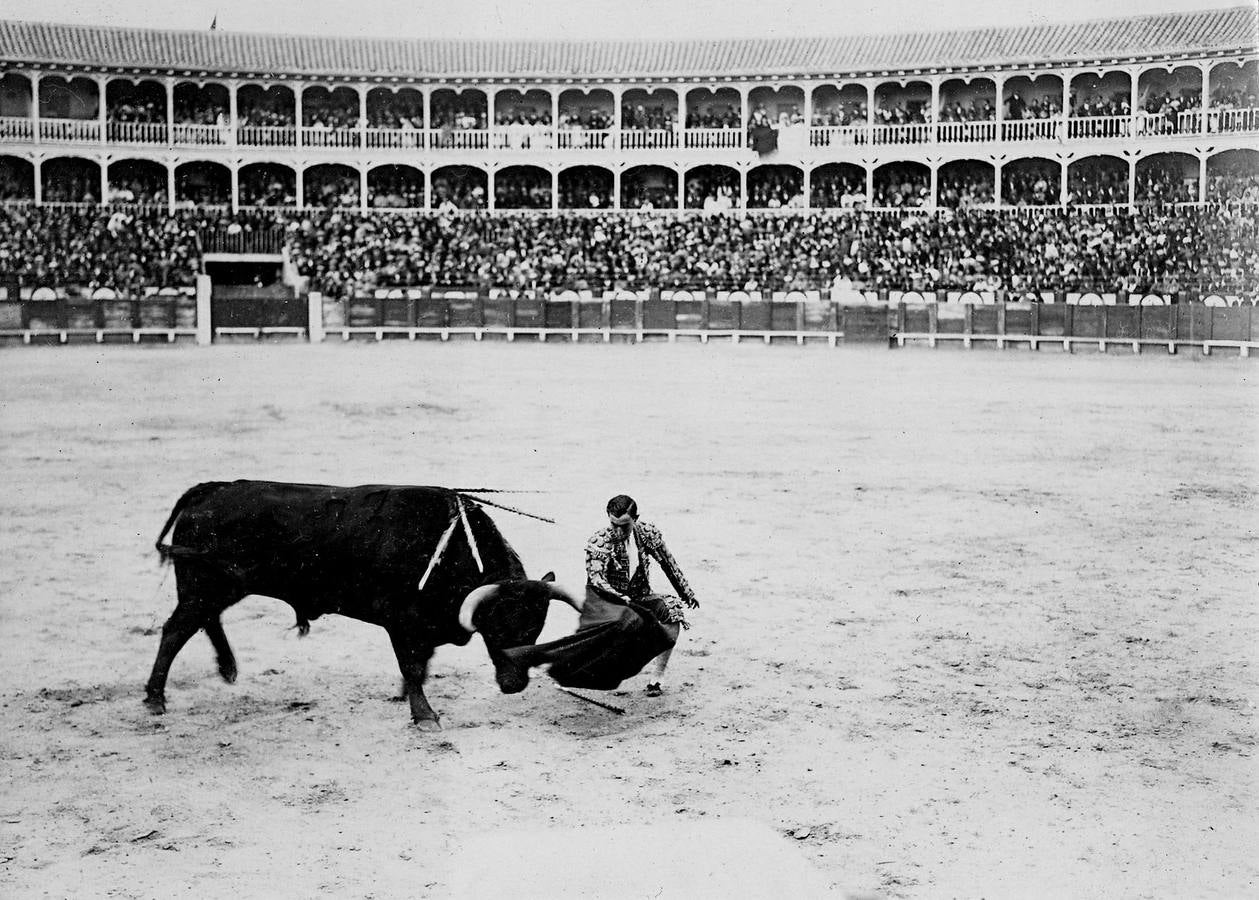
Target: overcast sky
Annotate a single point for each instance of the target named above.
(497, 19)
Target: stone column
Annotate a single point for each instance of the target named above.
(101, 91)
(934, 116)
(362, 186)
(1202, 179)
(37, 171)
(1063, 174)
(935, 184)
(1132, 183)
(362, 118)
(232, 87)
(35, 106)
(234, 169)
(170, 186)
(170, 116)
(299, 184)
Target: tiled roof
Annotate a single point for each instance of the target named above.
(226, 51)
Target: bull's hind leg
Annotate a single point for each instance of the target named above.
(413, 657)
(203, 594)
(222, 649)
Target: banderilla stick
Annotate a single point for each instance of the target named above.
(608, 706)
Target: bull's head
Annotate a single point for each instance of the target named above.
(511, 614)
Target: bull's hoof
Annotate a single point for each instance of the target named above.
(427, 724)
(228, 673)
(155, 705)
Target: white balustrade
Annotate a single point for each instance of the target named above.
(966, 132)
(136, 132)
(192, 135)
(1032, 130)
(916, 133)
(648, 139)
(266, 136)
(333, 138)
(715, 138)
(838, 135)
(521, 137)
(1093, 127)
(579, 139)
(69, 130)
(1233, 120)
(16, 128)
(454, 139)
(394, 139)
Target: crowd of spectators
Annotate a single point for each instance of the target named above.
(653, 118)
(1034, 184)
(902, 114)
(715, 117)
(977, 110)
(136, 109)
(852, 113)
(585, 190)
(834, 190)
(1236, 187)
(900, 186)
(1093, 106)
(522, 190)
(266, 111)
(712, 189)
(775, 189)
(394, 112)
(590, 119)
(336, 113)
(1045, 106)
(201, 108)
(138, 189)
(459, 113)
(965, 189)
(1162, 111)
(1160, 249)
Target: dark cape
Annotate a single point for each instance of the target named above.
(613, 642)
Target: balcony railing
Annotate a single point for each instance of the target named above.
(136, 132)
(188, 135)
(1095, 127)
(266, 136)
(69, 130)
(394, 138)
(648, 139)
(334, 138)
(966, 132)
(454, 139)
(17, 128)
(715, 138)
(839, 136)
(522, 139)
(1032, 130)
(1231, 120)
(577, 139)
(917, 133)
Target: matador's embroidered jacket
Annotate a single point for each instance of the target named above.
(607, 563)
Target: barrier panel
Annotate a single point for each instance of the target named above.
(530, 312)
(1089, 322)
(464, 312)
(1123, 322)
(755, 317)
(1230, 323)
(1055, 319)
(559, 313)
(866, 323)
(1158, 323)
(689, 314)
(659, 315)
(496, 312)
(1194, 322)
(783, 316)
(623, 315)
(431, 312)
(1020, 318)
(590, 314)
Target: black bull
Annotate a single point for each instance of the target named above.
(359, 552)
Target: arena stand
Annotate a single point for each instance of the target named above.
(1122, 166)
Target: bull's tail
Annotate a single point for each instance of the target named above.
(192, 495)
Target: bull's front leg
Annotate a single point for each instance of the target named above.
(413, 656)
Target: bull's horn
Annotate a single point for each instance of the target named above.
(558, 593)
(471, 602)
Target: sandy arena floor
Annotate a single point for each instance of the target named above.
(974, 624)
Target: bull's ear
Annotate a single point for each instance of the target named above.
(549, 576)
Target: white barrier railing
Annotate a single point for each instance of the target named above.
(454, 139)
(330, 138)
(917, 133)
(394, 138)
(17, 128)
(266, 136)
(715, 138)
(576, 139)
(522, 138)
(189, 135)
(1094, 127)
(1233, 120)
(136, 132)
(1032, 130)
(838, 135)
(965, 132)
(648, 139)
(69, 130)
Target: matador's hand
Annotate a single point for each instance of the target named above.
(692, 603)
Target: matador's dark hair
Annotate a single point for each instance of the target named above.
(621, 505)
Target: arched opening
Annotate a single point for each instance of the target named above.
(464, 110)
(17, 178)
(1234, 97)
(649, 187)
(135, 111)
(15, 96)
(459, 187)
(586, 119)
(72, 98)
(522, 187)
(649, 120)
(137, 181)
(1097, 181)
(1032, 108)
(70, 179)
(1170, 102)
(902, 113)
(203, 183)
(394, 109)
(1167, 178)
(968, 110)
(775, 187)
(522, 120)
(1233, 176)
(780, 110)
(712, 188)
(714, 119)
(837, 186)
(202, 116)
(840, 116)
(399, 187)
(266, 116)
(965, 184)
(902, 184)
(1031, 182)
(586, 187)
(331, 185)
(1100, 105)
(329, 110)
(267, 184)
